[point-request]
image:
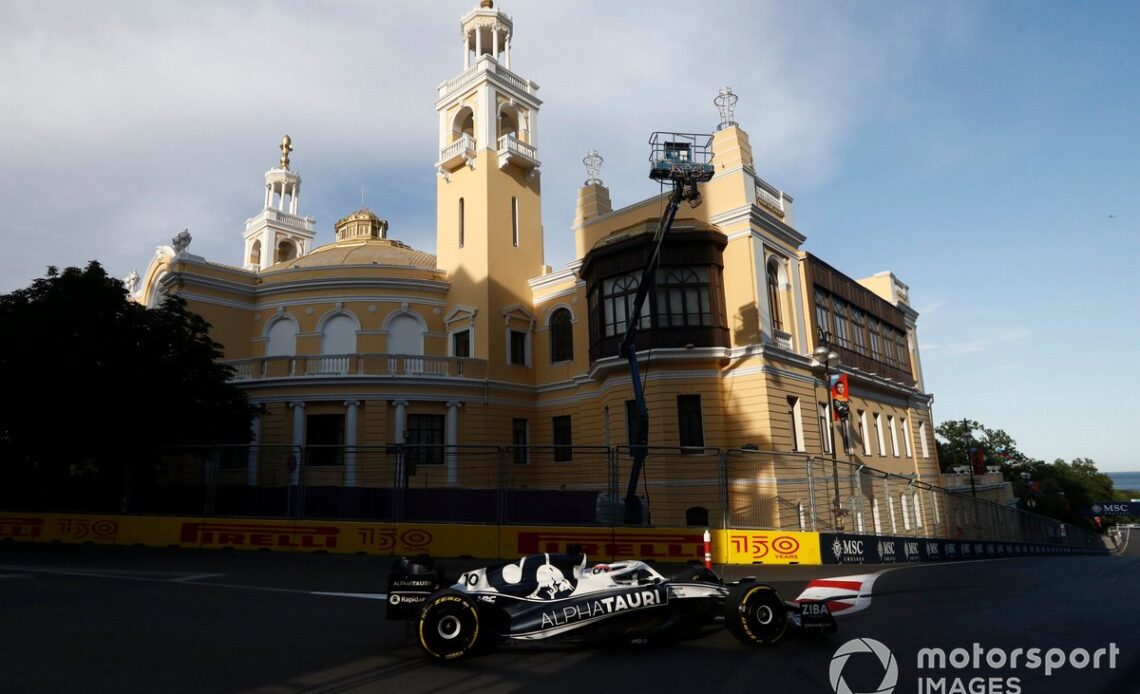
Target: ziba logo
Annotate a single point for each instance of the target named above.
(876, 648)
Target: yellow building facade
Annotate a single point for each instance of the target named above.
(366, 341)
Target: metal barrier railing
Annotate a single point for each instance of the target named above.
(539, 485)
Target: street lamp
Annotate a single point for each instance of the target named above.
(827, 360)
(968, 440)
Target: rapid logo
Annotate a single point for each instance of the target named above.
(598, 608)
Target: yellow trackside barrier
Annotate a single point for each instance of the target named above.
(394, 539)
(765, 547)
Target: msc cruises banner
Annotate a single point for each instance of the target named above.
(1113, 508)
(838, 548)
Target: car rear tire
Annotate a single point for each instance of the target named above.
(755, 614)
(449, 626)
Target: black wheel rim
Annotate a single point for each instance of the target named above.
(449, 628)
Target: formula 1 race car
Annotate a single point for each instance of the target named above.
(549, 597)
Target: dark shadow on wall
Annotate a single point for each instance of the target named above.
(746, 325)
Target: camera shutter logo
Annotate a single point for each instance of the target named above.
(837, 549)
(1097, 509)
(886, 659)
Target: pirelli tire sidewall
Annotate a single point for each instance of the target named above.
(755, 614)
(450, 626)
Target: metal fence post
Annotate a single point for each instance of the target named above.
(722, 483)
(811, 495)
(501, 487)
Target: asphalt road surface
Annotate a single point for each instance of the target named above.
(106, 619)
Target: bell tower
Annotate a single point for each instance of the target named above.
(488, 198)
(278, 232)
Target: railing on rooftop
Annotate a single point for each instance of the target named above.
(380, 365)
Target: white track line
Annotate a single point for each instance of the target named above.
(183, 579)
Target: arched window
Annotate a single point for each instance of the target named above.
(464, 124)
(255, 253)
(338, 335)
(338, 341)
(286, 250)
(508, 122)
(462, 221)
(405, 335)
(515, 222)
(683, 298)
(281, 339)
(617, 302)
(774, 295)
(561, 336)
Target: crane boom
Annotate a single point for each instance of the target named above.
(673, 160)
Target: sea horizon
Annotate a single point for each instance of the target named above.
(1125, 480)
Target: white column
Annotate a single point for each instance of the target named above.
(478, 42)
(451, 440)
(254, 452)
(268, 193)
(350, 426)
(466, 53)
(495, 41)
(401, 420)
(266, 250)
(281, 198)
(296, 196)
(508, 51)
(401, 425)
(298, 439)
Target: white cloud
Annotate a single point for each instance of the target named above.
(127, 121)
(987, 342)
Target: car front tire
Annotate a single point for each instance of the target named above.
(450, 626)
(755, 614)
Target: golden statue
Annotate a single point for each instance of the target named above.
(286, 147)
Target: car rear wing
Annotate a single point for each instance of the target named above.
(410, 583)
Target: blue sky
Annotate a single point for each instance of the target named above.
(987, 153)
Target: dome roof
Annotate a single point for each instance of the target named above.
(362, 252)
(363, 214)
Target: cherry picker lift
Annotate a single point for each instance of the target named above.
(684, 160)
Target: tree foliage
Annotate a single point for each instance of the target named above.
(95, 383)
(1061, 490)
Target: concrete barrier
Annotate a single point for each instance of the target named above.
(744, 547)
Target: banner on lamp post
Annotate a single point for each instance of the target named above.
(840, 398)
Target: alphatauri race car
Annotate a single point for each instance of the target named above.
(562, 597)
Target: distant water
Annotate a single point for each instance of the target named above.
(1125, 480)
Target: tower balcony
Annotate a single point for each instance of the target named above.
(514, 151)
(292, 221)
(355, 365)
(457, 154)
(487, 65)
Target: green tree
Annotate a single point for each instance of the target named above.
(1061, 490)
(96, 385)
(999, 447)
